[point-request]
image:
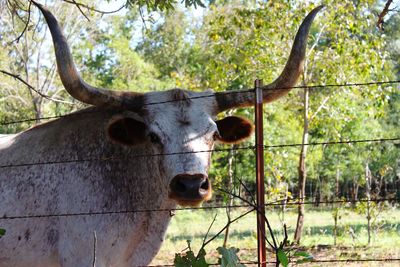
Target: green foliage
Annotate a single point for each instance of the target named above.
(229, 257)
(239, 42)
(30, 60)
(188, 259)
(375, 209)
(282, 257)
(112, 62)
(163, 5)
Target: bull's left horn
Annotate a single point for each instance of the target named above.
(73, 82)
(283, 84)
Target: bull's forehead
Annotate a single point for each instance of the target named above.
(181, 113)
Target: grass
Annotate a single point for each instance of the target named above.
(352, 240)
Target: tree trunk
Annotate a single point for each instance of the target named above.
(337, 192)
(336, 208)
(317, 193)
(302, 171)
(368, 193)
(230, 186)
(354, 193)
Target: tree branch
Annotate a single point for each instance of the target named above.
(223, 229)
(79, 5)
(382, 15)
(319, 108)
(17, 77)
(256, 208)
(26, 24)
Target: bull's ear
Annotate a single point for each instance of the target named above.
(126, 130)
(234, 129)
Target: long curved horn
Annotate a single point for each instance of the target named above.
(72, 81)
(284, 83)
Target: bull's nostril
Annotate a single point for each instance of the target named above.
(180, 187)
(205, 185)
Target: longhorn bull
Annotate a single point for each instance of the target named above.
(56, 167)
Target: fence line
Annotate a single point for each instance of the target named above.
(115, 158)
(278, 89)
(276, 203)
(5, 123)
(171, 211)
(358, 260)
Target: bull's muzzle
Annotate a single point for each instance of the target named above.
(190, 189)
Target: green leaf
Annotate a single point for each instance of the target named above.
(282, 257)
(229, 257)
(2, 232)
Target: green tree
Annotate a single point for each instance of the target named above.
(30, 85)
(110, 60)
(241, 42)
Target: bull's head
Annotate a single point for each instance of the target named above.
(177, 123)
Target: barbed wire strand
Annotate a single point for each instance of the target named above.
(274, 203)
(116, 158)
(310, 261)
(357, 260)
(6, 123)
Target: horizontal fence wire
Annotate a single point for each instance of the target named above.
(357, 260)
(276, 203)
(116, 158)
(209, 264)
(6, 123)
(171, 211)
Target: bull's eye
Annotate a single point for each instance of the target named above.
(216, 135)
(154, 138)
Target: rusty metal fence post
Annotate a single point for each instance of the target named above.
(261, 245)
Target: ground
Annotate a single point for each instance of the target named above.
(318, 240)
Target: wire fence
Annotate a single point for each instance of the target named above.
(246, 91)
(311, 261)
(281, 202)
(115, 158)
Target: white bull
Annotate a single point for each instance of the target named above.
(94, 161)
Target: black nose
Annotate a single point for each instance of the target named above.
(190, 187)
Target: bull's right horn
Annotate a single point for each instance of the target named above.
(72, 81)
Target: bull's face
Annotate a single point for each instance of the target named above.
(183, 131)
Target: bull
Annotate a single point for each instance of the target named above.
(93, 161)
